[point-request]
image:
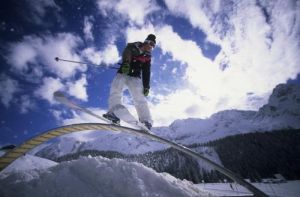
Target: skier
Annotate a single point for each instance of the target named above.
(136, 63)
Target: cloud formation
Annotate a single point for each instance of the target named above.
(9, 87)
(125, 9)
(258, 40)
(88, 28)
(35, 53)
(109, 55)
(48, 87)
(78, 88)
(257, 44)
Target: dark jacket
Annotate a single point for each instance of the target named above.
(140, 62)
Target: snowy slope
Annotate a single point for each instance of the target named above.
(288, 189)
(92, 177)
(282, 111)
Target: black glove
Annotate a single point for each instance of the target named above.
(146, 91)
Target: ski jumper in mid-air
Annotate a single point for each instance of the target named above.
(134, 74)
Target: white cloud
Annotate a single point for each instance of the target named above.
(176, 105)
(33, 52)
(9, 87)
(73, 88)
(252, 56)
(106, 7)
(21, 55)
(88, 28)
(249, 42)
(135, 10)
(134, 34)
(109, 55)
(170, 42)
(33, 59)
(26, 104)
(79, 117)
(194, 11)
(259, 55)
(49, 86)
(63, 116)
(10, 90)
(92, 55)
(78, 88)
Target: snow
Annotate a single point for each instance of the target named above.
(88, 176)
(288, 189)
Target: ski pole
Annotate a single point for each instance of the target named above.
(59, 59)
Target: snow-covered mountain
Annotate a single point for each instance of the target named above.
(283, 108)
(282, 111)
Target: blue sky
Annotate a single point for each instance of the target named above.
(210, 56)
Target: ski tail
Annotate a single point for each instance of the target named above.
(62, 98)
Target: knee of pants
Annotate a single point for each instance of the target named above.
(114, 100)
(141, 101)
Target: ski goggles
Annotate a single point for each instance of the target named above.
(151, 43)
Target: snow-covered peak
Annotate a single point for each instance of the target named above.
(283, 108)
(187, 126)
(232, 115)
(96, 176)
(285, 99)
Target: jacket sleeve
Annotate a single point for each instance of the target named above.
(127, 54)
(146, 72)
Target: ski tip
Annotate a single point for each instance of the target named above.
(58, 94)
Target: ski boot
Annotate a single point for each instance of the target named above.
(147, 124)
(112, 117)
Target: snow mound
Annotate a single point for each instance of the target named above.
(96, 176)
(28, 162)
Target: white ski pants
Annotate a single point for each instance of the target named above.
(135, 87)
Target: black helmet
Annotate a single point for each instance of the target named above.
(151, 39)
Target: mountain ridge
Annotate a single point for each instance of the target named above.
(281, 112)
